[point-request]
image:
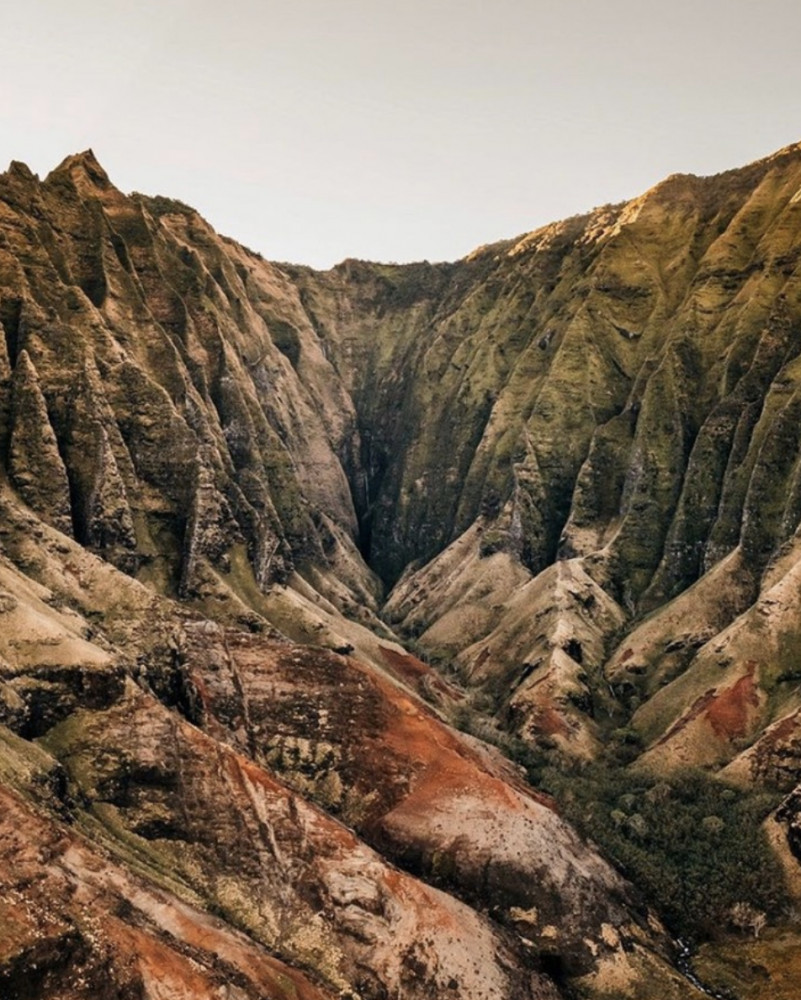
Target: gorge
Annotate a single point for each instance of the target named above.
(426, 630)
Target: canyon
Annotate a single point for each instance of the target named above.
(424, 630)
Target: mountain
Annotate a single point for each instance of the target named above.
(293, 562)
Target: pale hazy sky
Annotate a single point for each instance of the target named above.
(315, 130)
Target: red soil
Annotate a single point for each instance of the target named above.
(731, 711)
(414, 672)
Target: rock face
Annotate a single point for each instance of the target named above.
(568, 466)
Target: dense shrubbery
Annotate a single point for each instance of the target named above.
(692, 844)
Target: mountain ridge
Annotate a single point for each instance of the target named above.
(566, 472)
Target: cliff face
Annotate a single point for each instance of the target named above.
(567, 465)
(564, 434)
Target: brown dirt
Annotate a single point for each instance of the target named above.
(731, 711)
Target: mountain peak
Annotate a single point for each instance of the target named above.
(19, 169)
(82, 168)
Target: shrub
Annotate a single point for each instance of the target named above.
(693, 845)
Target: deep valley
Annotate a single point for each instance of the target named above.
(422, 631)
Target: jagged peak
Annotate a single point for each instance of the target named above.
(82, 167)
(19, 169)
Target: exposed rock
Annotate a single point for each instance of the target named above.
(290, 877)
(77, 925)
(34, 461)
(376, 756)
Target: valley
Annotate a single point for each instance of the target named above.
(427, 630)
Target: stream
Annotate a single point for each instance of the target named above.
(685, 966)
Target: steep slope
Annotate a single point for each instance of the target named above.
(152, 414)
(156, 772)
(619, 388)
(609, 343)
(566, 466)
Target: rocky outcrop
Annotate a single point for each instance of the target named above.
(429, 798)
(79, 926)
(272, 865)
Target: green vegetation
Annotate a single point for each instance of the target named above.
(694, 845)
(158, 205)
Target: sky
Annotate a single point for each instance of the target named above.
(315, 130)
